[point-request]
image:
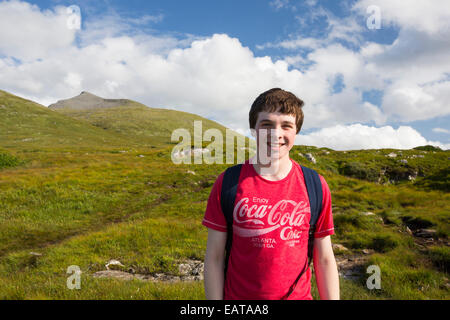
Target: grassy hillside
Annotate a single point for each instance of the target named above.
(84, 208)
(144, 125)
(26, 125)
(29, 127)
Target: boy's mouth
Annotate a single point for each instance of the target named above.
(276, 145)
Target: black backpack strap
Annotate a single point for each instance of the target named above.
(315, 195)
(227, 199)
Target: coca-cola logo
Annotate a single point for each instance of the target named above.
(267, 218)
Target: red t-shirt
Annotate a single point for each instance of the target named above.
(270, 234)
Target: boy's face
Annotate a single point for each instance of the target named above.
(280, 130)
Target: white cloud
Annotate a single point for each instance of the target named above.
(218, 77)
(416, 66)
(414, 102)
(424, 16)
(279, 4)
(74, 81)
(357, 136)
(441, 130)
(346, 29)
(412, 72)
(213, 77)
(29, 33)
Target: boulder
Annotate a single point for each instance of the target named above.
(392, 155)
(310, 157)
(114, 265)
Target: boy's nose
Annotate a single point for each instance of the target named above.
(275, 134)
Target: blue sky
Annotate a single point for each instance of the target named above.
(356, 82)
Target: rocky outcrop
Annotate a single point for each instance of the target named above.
(87, 101)
(189, 270)
(310, 157)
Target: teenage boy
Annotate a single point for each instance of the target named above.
(270, 218)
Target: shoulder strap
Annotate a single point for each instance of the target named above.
(314, 188)
(227, 199)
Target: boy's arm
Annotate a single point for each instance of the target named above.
(325, 267)
(214, 264)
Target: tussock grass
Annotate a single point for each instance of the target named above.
(7, 160)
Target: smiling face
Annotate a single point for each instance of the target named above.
(280, 130)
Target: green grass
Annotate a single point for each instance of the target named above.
(7, 160)
(112, 205)
(86, 201)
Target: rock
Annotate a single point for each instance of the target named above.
(114, 265)
(339, 247)
(408, 230)
(199, 151)
(372, 214)
(191, 172)
(351, 267)
(425, 233)
(141, 156)
(191, 270)
(190, 152)
(392, 155)
(35, 254)
(113, 274)
(185, 269)
(404, 161)
(368, 251)
(310, 157)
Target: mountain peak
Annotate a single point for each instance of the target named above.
(88, 101)
(86, 93)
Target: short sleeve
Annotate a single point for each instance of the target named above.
(325, 226)
(214, 217)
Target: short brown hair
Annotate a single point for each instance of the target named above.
(274, 99)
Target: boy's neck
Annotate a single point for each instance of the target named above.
(279, 170)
